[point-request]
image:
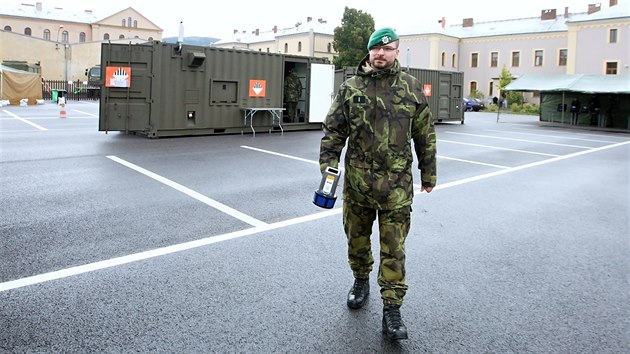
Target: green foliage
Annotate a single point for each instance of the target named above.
(351, 37)
(516, 108)
(476, 94)
(505, 78)
(515, 97)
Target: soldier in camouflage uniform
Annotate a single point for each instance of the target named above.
(378, 112)
(292, 93)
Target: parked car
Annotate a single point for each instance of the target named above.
(472, 104)
(479, 101)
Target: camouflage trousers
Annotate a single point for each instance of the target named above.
(393, 229)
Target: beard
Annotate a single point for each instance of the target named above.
(380, 62)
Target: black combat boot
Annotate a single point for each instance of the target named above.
(393, 325)
(358, 295)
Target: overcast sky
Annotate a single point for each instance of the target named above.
(219, 18)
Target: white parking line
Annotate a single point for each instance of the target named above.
(341, 168)
(514, 139)
(553, 136)
(24, 120)
(90, 267)
(113, 262)
(86, 113)
(191, 193)
(472, 162)
(279, 154)
(496, 147)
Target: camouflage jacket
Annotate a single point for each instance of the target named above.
(292, 88)
(378, 114)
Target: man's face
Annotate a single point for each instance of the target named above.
(383, 57)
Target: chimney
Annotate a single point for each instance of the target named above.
(257, 31)
(235, 31)
(309, 19)
(443, 22)
(592, 8)
(468, 22)
(612, 3)
(548, 14)
(275, 29)
(566, 12)
(87, 12)
(38, 6)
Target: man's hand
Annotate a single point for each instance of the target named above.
(426, 189)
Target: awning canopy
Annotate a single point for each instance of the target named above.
(572, 83)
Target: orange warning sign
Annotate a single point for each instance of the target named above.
(426, 88)
(118, 76)
(257, 88)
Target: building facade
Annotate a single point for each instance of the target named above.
(587, 41)
(309, 38)
(64, 42)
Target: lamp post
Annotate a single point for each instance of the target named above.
(65, 54)
(58, 30)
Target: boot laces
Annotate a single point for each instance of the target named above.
(359, 286)
(393, 317)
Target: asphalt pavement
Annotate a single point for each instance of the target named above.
(117, 243)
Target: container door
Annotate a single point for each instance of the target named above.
(126, 108)
(321, 91)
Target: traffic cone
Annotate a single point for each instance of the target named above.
(62, 113)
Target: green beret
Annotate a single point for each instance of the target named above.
(382, 36)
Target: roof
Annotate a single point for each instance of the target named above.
(572, 83)
(24, 9)
(267, 36)
(514, 26)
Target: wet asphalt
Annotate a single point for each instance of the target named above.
(118, 243)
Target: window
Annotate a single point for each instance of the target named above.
(129, 21)
(443, 59)
(473, 86)
(299, 46)
(82, 37)
(286, 47)
(562, 57)
(329, 48)
(122, 36)
(267, 49)
(135, 23)
(124, 23)
(453, 58)
(612, 35)
(47, 34)
(490, 88)
(494, 59)
(7, 28)
(538, 57)
(27, 31)
(474, 60)
(64, 37)
(516, 59)
(106, 36)
(611, 68)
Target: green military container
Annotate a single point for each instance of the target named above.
(160, 89)
(443, 90)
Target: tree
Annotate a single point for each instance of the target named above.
(351, 37)
(504, 79)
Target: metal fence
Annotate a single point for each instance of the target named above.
(73, 90)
